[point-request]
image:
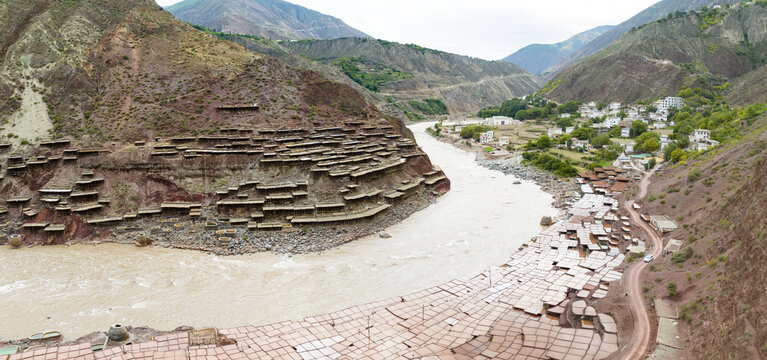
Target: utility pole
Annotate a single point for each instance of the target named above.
(490, 276)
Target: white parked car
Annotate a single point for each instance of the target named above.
(648, 258)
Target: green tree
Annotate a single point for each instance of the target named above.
(569, 107)
(678, 155)
(564, 123)
(615, 132)
(648, 142)
(583, 133)
(638, 127)
(651, 164)
(601, 141)
(668, 150)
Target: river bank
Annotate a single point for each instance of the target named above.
(479, 223)
(241, 241)
(564, 191)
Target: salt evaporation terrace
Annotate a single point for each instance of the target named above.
(515, 317)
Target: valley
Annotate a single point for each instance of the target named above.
(248, 179)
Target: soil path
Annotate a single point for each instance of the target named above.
(641, 341)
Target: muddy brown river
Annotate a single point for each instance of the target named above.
(81, 289)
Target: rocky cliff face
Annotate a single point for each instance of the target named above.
(273, 19)
(465, 84)
(657, 59)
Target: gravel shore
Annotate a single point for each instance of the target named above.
(299, 240)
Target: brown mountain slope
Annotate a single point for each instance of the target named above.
(109, 71)
(273, 19)
(712, 46)
(750, 88)
(275, 147)
(718, 199)
(654, 12)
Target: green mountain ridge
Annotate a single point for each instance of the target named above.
(465, 84)
(536, 58)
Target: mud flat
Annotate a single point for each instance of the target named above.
(82, 288)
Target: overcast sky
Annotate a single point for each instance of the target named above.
(488, 29)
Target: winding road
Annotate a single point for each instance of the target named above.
(642, 327)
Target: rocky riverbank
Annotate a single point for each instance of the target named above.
(239, 240)
(564, 191)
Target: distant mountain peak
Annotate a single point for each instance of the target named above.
(274, 19)
(536, 58)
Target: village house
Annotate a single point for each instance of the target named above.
(569, 129)
(664, 144)
(612, 121)
(663, 105)
(486, 137)
(701, 135)
(663, 223)
(564, 116)
(626, 132)
(658, 117)
(582, 144)
(616, 106)
(503, 141)
(554, 132)
(502, 120)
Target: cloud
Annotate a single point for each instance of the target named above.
(488, 29)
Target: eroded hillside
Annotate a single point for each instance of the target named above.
(124, 123)
(705, 48)
(718, 199)
(465, 84)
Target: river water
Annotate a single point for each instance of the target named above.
(83, 288)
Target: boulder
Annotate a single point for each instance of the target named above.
(547, 221)
(15, 240)
(143, 241)
(384, 235)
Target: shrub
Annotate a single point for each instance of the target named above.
(671, 289)
(550, 163)
(693, 176)
(682, 256)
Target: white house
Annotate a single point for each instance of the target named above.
(581, 144)
(702, 135)
(616, 106)
(658, 117)
(670, 102)
(486, 137)
(664, 144)
(554, 132)
(569, 129)
(503, 120)
(612, 121)
(626, 132)
(503, 141)
(564, 116)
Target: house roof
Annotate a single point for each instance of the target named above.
(664, 222)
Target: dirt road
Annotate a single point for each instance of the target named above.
(641, 340)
